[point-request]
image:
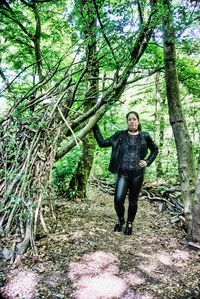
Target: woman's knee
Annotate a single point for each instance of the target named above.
(120, 190)
(118, 200)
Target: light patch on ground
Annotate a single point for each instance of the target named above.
(148, 268)
(164, 258)
(94, 264)
(181, 257)
(97, 277)
(22, 284)
(101, 286)
(133, 279)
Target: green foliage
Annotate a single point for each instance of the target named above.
(189, 74)
(15, 200)
(63, 171)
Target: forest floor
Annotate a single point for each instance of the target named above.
(83, 258)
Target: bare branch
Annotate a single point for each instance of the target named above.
(145, 75)
(103, 32)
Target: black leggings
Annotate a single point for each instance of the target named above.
(132, 182)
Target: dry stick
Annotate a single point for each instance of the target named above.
(1, 223)
(90, 97)
(32, 238)
(25, 243)
(60, 99)
(10, 219)
(51, 90)
(45, 95)
(14, 166)
(52, 209)
(77, 140)
(13, 252)
(181, 218)
(33, 144)
(36, 213)
(39, 212)
(78, 83)
(157, 198)
(13, 183)
(21, 226)
(43, 223)
(6, 208)
(80, 78)
(40, 198)
(86, 115)
(2, 186)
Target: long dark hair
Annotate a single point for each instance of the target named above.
(137, 115)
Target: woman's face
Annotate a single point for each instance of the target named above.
(132, 122)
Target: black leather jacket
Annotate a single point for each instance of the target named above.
(118, 142)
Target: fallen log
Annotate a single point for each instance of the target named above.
(194, 245)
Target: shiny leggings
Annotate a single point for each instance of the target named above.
(132, 182)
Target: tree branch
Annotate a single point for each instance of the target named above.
(18, 23)
(103, 32)
(147, 75)
(140, 11)
(81, 134)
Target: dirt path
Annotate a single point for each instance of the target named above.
(83, 258)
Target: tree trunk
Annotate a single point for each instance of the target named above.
(159, 121)
(177, 121)
(78, 183)
(196, 210)
(36, 41)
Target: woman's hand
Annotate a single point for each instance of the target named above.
(143, 163)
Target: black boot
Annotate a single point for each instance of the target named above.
(128, 229)
(118, 225)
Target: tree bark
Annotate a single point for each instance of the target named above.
(79, 181)
(160, 123)
(196, 210)
(80, 177)
(177, 121)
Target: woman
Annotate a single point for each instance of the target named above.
(128, 160)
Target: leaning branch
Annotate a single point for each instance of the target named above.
(81, 134)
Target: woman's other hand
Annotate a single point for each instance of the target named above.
(143, 163)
